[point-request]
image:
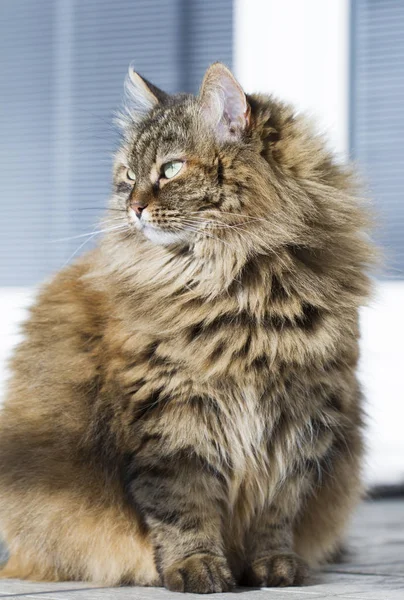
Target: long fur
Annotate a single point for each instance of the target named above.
(188, 414)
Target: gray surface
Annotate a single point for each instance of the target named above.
(374, 570)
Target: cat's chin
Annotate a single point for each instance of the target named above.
(161, 237)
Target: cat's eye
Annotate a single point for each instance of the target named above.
(172, 168)
(131, 175)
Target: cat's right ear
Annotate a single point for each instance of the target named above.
(223, 102)
(141, 97)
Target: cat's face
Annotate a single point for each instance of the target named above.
(180, 170)
(169, 174)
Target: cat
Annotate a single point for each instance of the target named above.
(184, 409)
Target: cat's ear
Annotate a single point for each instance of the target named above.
(224, 104)
(141, 96)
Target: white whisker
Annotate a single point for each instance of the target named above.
(205, 233)
(78, 249)
(236, 228)
(249, 219)
(76, 237)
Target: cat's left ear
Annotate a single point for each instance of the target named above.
(141, 96)
(224, 104)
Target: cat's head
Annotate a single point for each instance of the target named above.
(194, 168)
(226, 172)
(180, 164)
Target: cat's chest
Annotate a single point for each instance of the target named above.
(237, 430)
(261, 439)
(203, 389)
(239, 343)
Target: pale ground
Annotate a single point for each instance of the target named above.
(373, 571)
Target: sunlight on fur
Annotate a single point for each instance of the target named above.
(184, 409)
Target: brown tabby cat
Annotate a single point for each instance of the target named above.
(184, 410)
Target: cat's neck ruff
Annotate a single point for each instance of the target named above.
(207, 268)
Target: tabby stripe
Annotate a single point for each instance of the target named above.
(334, 401)
(220, 172)
(123, 188)
(152, 404)
(307, 320)
(278, 292)
(167, 467)
(182, 521)
(158, 560)
(146, 438)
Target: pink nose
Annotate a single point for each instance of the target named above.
(138, 207)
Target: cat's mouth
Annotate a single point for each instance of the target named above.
(153, 232)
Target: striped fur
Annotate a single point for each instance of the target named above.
(187, 413)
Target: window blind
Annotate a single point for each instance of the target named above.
(63, 63)
(377, 117)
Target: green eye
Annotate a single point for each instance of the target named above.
(131, 175)
(172, 168)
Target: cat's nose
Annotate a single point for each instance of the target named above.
(138, 207)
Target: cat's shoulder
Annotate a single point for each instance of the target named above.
(74, 296)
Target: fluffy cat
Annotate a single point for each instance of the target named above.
(184, 410)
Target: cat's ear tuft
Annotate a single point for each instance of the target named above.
(138, 93)
(224, 104)
(140, 98)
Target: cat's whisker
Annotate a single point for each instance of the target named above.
(243, 233)
(241, 216)
(213, 225)
(79, 248)
(262, 242)
(237, 229)
(107, 219)
(76, 237)
(112, 221)
(91, 236)
(100, 209)
(248, 218)
(223, 224)
(203, 233)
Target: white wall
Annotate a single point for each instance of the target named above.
(299, 51)
(13, 310)
(381, 374)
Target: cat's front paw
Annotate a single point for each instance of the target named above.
(199, 574)
(276, 570)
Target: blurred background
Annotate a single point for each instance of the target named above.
(62, 65)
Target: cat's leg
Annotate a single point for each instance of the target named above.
(271, 559)
(320, 527)
(306, 521)
(179, 494)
